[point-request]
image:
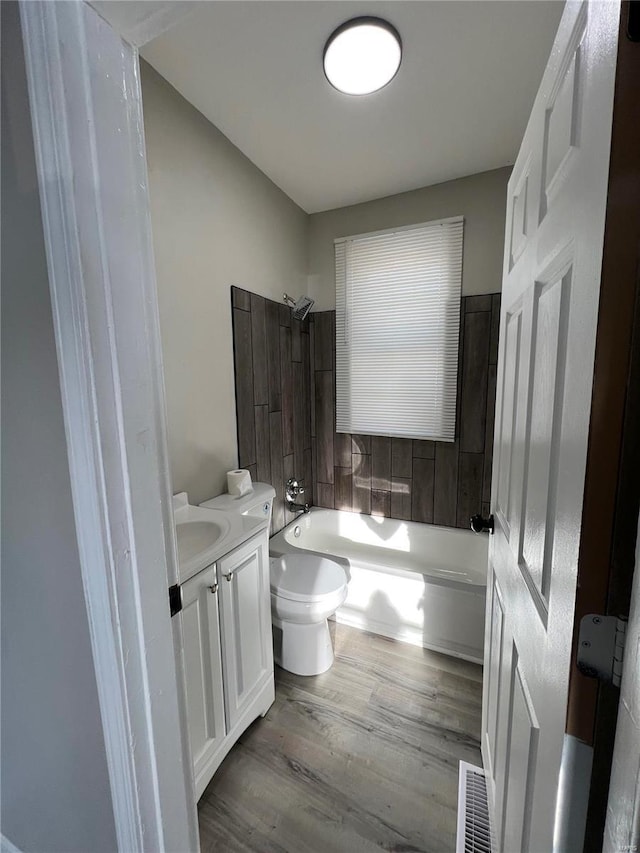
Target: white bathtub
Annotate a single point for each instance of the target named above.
(414, 582)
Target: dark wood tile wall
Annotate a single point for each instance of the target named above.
(434, 482)
(285, 406)
(273, 407)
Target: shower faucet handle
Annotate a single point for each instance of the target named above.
(294, 488)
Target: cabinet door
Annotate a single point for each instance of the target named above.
(245, 612)
(203, 667)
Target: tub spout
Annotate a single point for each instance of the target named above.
(298, 507)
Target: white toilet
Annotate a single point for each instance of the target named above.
(305, 590)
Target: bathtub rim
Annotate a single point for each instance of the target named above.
(276, 550)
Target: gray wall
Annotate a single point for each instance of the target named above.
(481, 199)
(217, 221)
(54, 786)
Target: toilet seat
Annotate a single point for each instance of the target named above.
(306, 578)
(305, 590)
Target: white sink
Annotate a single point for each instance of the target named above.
(196, 537)
(204, 534)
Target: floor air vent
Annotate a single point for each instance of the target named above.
(474, 833)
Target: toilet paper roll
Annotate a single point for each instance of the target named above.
(239, 482)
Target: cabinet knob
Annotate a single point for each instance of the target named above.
(229, 577)
(213, 588)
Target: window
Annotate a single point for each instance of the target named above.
(397, 327)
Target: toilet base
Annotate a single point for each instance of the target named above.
(305, 649)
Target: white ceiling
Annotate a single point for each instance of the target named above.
(458, 105)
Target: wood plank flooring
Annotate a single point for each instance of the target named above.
(361, 758)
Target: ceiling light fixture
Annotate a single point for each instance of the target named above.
(362, 56)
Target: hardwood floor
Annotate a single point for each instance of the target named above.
(361, 758)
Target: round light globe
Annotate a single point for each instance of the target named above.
(362, 56)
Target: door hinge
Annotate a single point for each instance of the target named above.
(175, 599)
(601, 647)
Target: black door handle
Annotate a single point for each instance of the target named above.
(481, 525)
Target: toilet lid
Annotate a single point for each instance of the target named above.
(305, 577)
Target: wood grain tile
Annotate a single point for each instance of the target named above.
(361, 444)
(324, 340)
(289, 367)
(312, 374)
(381, 462)
(306, 393)
(324, 426)
(475, 364)
(299, 417)
(296, 343)
(285, 314)
(422, 487)
(245, 416)
(401, 498)
(325, 495)
(446, 485)
(308, 475)
(241, 299)
(381, 502)
(495, 328)
(361, 483)
(342, 488)
(342, 450)
(469, 487)
(477, 303)
(288, 468)
(277, 468)
(424, 449)
(488, 435)
(314, 468)
(401, 456)
(259, 351)
(333, 348)
(287, 392)
(263, 444)
(272, 316)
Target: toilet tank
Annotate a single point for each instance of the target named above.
(258, 502)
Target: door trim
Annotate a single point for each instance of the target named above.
(612, 483)
(88, 135)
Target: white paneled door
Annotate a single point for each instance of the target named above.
(553, 252)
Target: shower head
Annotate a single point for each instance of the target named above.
(301, 307)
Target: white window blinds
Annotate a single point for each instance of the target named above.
(397, 327)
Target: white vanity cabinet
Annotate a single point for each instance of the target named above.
(228, 655)
(245, 617)
(203, 669)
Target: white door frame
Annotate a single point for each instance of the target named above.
(86, 107)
